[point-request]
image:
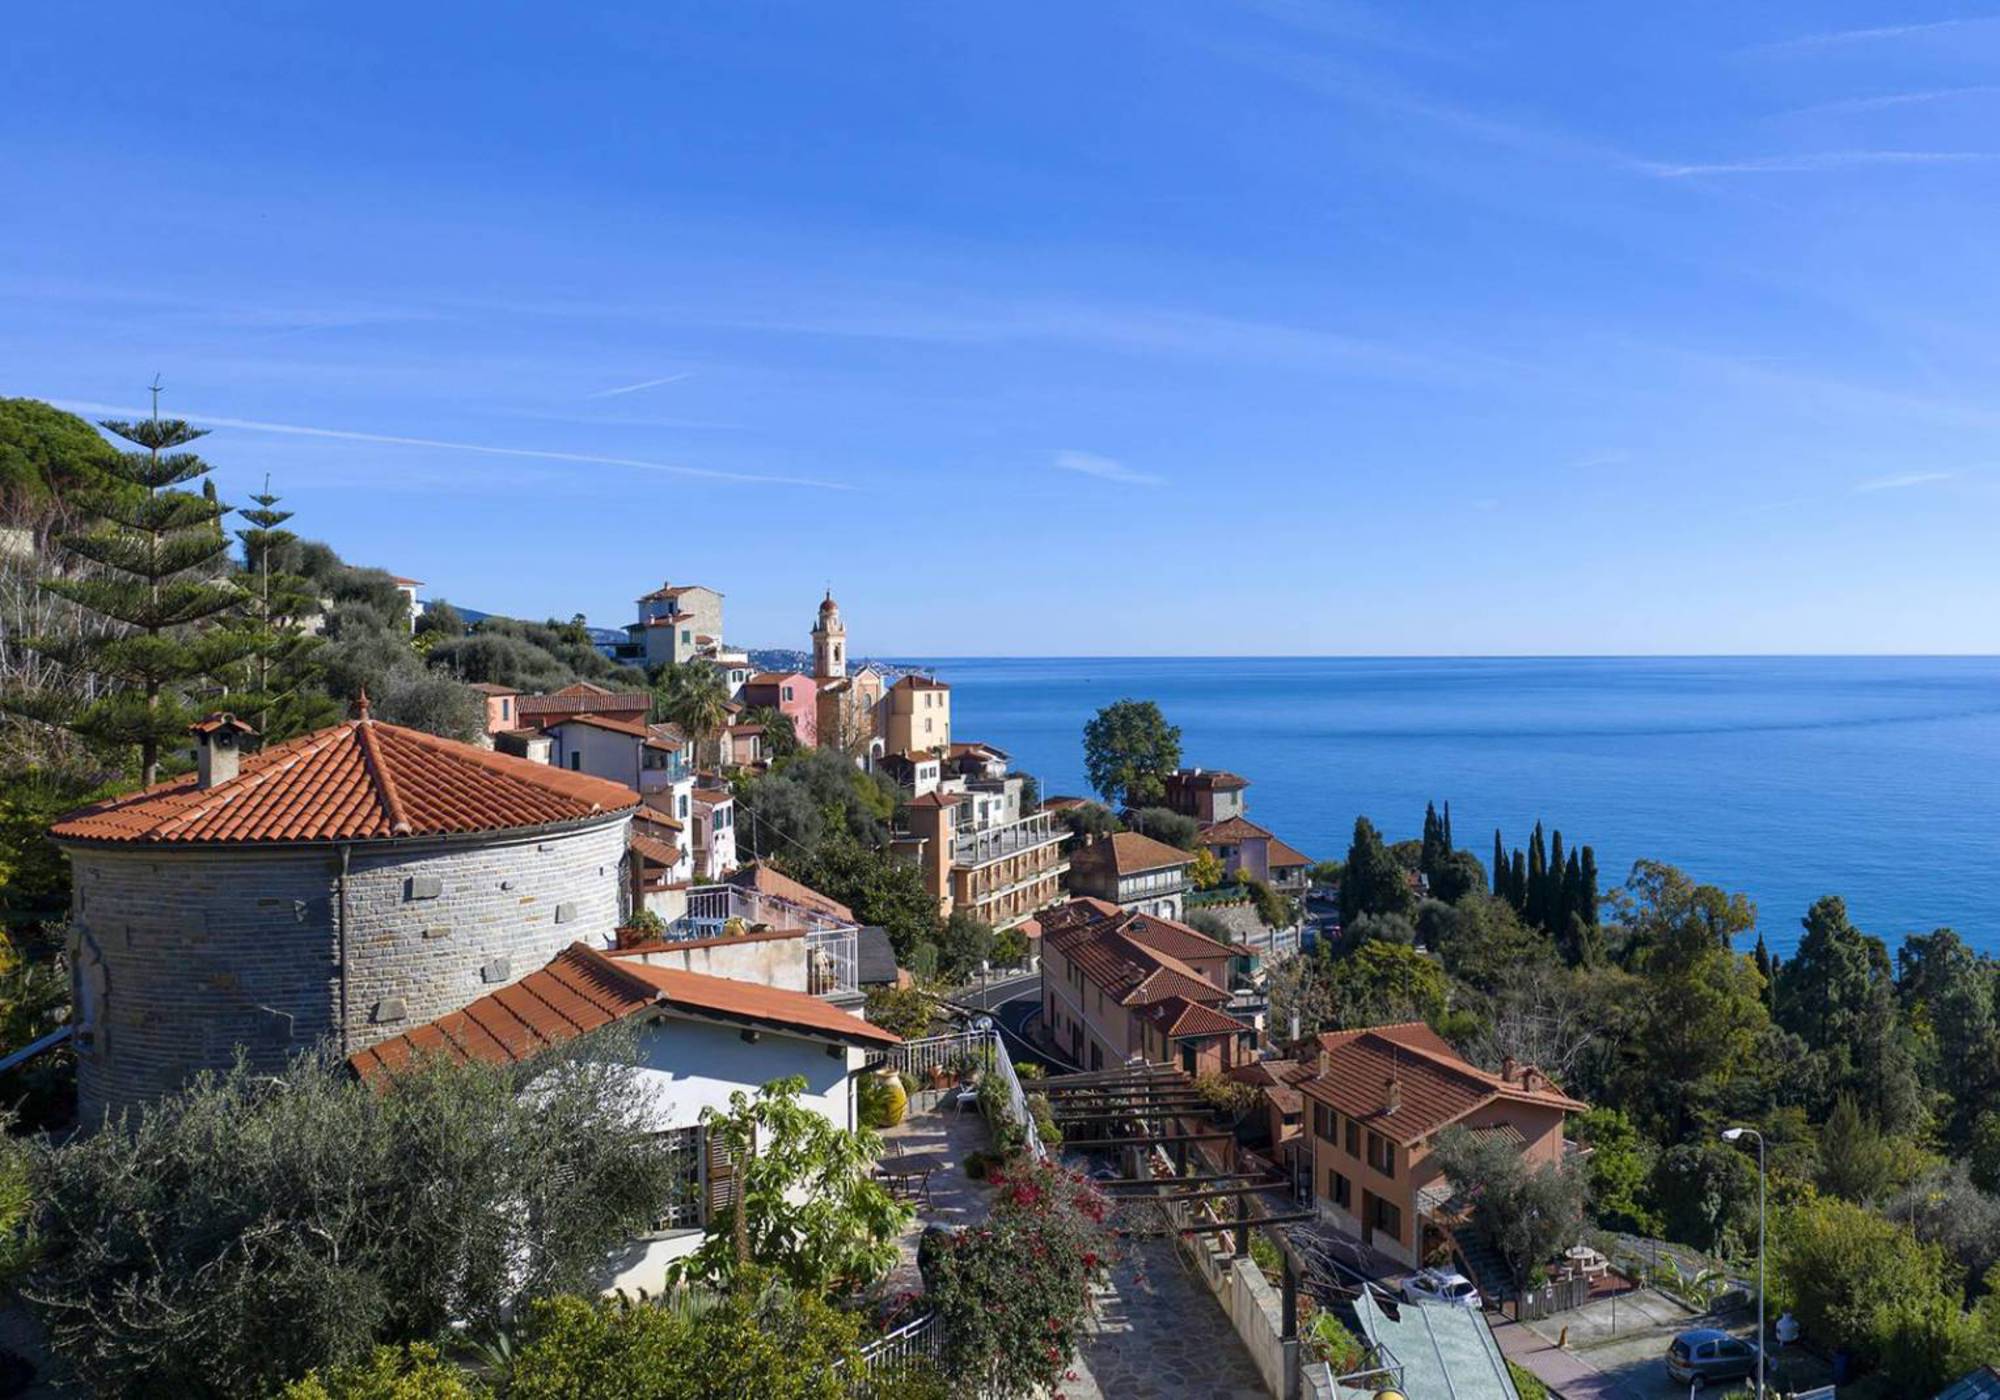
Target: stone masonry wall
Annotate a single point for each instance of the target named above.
(181, 956)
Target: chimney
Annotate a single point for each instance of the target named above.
(1508, 1065)
(1392, 1096)
(218, 748)
(1531, 1079)
(1324, 1061)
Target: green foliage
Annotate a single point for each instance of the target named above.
(1089, 819)
(1273, 909)
(1856, 1281)
(256, 1227)
(150, 576)
(781, 736)
(1837, 995)
(695, 696)
(906, 1011)
(763, 1340)
(1374, 883)
(883, 892)
(1706, 1194)
(880, 1101)
(1527, 1382)
(1618, 1169)
(1527, 1214)
(1227, 1098)
(1014, 1293)
(813, 799)
(1128, 751)
(1856, 1161)
(1167, 825)
(283, 680)
(532, 655)
(414, 1372)
(1010, 948)
(48, 456)
(963, 944)
(1207, 871)
(1458, 874)
(433, 702)
(1379, 983)
(808, 1209)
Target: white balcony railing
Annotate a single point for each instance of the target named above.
(986, 1050)
(833, 958)
(975, 848)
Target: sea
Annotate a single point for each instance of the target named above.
(1785, 778)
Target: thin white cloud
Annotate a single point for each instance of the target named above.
(1901, 481)
(1897, 99)
(1874, 35)
(1104, 469)
(635, 388)
(1602, 459)
(1814, 161)
(210, 420)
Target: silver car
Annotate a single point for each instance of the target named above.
(1441, 1286)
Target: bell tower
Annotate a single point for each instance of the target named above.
(829, 636)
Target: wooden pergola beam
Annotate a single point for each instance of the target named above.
(1206, 1193)
(1121, 1182)
(1146, 1141)
(1218, 1226)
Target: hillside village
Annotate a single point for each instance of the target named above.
(684, 1003)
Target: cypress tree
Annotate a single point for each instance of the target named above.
(1517, 881)
(282, 671)
(158, 554)
(1556, 901)
(1432, 855)
(1761, 955)
(1534, 896)
(1499, 866)
(1586, 887)
(1574, 931)
(1445, 832)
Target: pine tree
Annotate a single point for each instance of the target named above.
(1499, 866)
(282, 673)
(159, 555)
(1586, 887)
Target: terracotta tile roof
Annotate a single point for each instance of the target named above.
(713, 796)
(657, 851)
(775, 883)
(1233, 832)
(766, 678)
(216, 723)
(1178, 1016)
(575, 700)
(667, 591)
(1177, 939)
(937, 799)
(406, 582)
(635, 728)
(977, 750)
(1129, 853)
(650, 813)
(582, 990)
(1288, 1099)
(1122, 966)
(914, 682)
(1278, 853)
(1437, 1088)
(489, 688)
(360, 780)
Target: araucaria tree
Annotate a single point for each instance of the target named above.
(282, 675)
(155, 561)
(1128, 751)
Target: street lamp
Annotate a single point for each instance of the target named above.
(1736, 1135)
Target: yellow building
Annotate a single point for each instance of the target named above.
(916, 715)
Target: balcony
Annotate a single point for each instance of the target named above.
(976, 848)
(832, 946)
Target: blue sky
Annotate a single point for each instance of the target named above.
(1054, 328)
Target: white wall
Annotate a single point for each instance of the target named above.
(600, 752)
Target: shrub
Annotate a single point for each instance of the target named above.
(906, 1011)
(1527, 1382)
(416, 1372)
(1013, 1294)
(254, 1228)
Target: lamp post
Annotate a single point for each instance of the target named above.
(1735, 1135)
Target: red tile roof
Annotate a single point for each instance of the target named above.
(1130, 853)
(1211, 778)
(1436, 1086)
(657, 851)
(914, 682)
(636, 728)
(1122, 966)
(360, 780)
(1178, 1016)
(938, 799)
(1177, 939)
(1233, 831)
(576, 700)
(1279, 854)
(582, 990)
(768, 881)
(489, 688)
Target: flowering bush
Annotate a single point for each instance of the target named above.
(1015, 1293)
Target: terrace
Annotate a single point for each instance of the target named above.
(832, 945)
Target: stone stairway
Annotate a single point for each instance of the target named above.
(1483, 1265)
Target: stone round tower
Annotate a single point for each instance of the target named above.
(333, 890)
(829, 636)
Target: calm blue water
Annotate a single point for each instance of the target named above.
(1786, 778)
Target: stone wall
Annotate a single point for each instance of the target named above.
(181, 956)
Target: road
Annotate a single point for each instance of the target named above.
(1016, 1003)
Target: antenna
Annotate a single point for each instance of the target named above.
(155, 390)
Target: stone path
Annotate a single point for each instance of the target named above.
(1161, 1335)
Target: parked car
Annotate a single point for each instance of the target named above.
(1710, 1354)
(1441, 1286)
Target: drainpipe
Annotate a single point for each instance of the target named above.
(340, 918)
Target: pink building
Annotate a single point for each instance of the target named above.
(792, 694)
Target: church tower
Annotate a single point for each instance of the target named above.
(829, 642)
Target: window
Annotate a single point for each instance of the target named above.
(1339, 1190)
(1353, 1138)
(788, 694)
(575, 761)
(927, 725)
(684, 1205)
(1323, 1122)
(1187, 1056)
(1096, 1055)
(506, 709)
(1387, 1217)
(687, 635)
(1381, 1154)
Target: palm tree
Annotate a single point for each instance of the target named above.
(694, 696)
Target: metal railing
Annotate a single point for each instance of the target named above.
(916, 1343)
(985, 1051)
(833, 953)
(974, 848)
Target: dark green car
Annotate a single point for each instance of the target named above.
(1709, 1354)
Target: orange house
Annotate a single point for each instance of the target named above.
(1376, 1100)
